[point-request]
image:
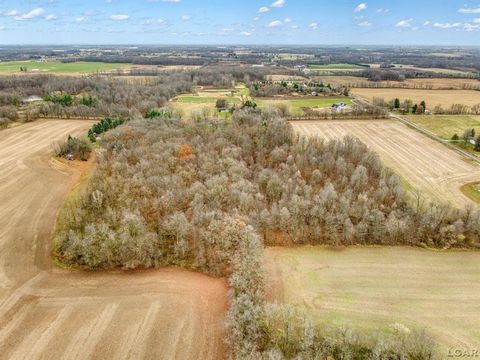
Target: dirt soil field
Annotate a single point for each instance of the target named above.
(445, 98)
(374, 288)
(49, 313)
(435, 171)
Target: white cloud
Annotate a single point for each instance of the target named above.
(186, 17)
(313, 26)
(471, 27)
(245, 33)
(11, 13)
(35, 13)
(294, 26)
(447, 25)
(287, 20)
(466, 10)
(404, 23)
(2, 28)
(278, 4)
(81, 20)
(119, 17)
(426, 23)
(263, 10)
(51, 17)
(365, 24)
(361, 7)
(275, 23)
(382, 11)
(153, 21)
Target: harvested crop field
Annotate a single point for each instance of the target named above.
(51, 313)
(373, 289)
(444, 98)
(428, 84)
(428, 166)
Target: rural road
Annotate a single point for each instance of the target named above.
(48, 313)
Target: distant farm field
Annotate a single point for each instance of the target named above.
(445, 98)
(377, 289)
(296, 105)
(429, 84)
(204, 99)
(53, 67)
(436, 171)
(336, 67)
(278, 77)
(440, 84)
(446, 126)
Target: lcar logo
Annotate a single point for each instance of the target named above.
(464, 353)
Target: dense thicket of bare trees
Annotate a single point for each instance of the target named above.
(207, 195)
(170, 179)
(91, 96)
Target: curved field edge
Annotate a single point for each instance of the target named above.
(472, 191)
(84, 171)
(194, 301)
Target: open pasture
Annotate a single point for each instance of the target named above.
(204, 99)
(53, 67)
(379, 289)
(297, 105)
(444, 98)
(446, 126)
(435, 171)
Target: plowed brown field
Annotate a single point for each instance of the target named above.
(48, 313)
(434, 170)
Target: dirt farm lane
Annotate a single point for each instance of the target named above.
(48, 313)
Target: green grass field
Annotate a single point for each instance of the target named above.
(296, 105)
(374, 288)
(472, 191)
(446, 126)
(205, 99)
(81, 67)
(336, 67)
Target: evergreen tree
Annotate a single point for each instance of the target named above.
(396, 104)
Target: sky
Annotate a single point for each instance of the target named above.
(249, 22)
